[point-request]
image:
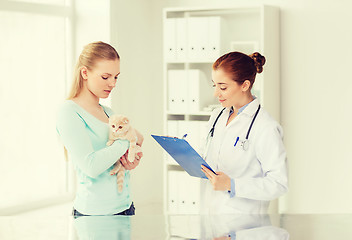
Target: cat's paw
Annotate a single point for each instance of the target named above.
(138, 149)
(131, 156)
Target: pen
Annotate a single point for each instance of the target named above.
(184, 136)
(236, 141)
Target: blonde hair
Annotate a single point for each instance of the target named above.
(90, 54)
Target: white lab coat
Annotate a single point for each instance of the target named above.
(260, 173)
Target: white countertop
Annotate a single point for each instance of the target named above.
(273, 227)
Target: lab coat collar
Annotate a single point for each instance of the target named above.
(251, 108)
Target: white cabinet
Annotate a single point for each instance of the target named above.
(193, 39)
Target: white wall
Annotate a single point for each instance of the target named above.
(316, 55)
(92, 23)
(136, 34)
(316, 50)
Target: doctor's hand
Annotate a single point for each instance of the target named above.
(220, 181)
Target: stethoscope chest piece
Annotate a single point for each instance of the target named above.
(245, 144)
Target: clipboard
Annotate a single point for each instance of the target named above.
(184, 155)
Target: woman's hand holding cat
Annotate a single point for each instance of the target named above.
(130, 165)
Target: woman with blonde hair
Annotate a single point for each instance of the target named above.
(82, 124)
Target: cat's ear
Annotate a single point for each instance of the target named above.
(125, 120)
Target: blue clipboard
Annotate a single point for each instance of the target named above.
(184, 154)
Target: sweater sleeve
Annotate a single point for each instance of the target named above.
(73, 134)
(271, 154)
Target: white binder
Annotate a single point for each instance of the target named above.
(173, 192)
(183, 192)
(172, 128)
(188, 91)
(181, 39)
(197, 31)
(193, 203)
(170, 39)
(194, 82)
(214, 38)
(183, 129)
(177, 91)
(172, 90)
(199, 90)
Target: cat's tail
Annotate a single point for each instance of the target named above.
(120, 178)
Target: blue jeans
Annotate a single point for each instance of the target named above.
(127, 212)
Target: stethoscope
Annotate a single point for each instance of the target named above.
(245, 143)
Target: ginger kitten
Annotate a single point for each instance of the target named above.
(120, 128)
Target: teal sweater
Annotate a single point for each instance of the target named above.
(85, 138)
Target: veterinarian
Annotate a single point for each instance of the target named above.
(244, 145)
(82, 125)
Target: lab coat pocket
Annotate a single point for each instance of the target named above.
(232, 155)
(237, 146)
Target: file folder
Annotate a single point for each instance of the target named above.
(184, 155)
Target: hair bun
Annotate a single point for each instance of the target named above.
(259, 61)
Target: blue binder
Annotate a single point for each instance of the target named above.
(184, 155)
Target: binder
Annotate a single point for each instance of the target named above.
(194, 83)
(214, 37)
(177, 91)
(183, 193)
(184, 155)
(193, 198)
(197, 38)
(199, 90)
(173, 192)
(170, 39)
(181, 39)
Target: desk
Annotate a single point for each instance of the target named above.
(263, 227)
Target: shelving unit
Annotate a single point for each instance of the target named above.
(193, 39)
